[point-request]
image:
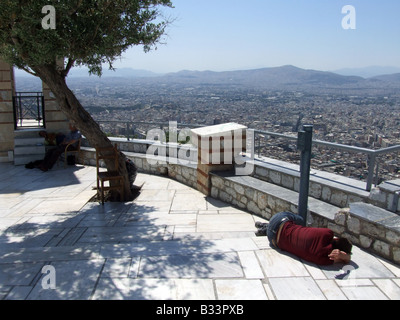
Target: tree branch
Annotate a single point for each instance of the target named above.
(69, 66)
(29, 71)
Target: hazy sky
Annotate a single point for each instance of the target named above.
(224, 35)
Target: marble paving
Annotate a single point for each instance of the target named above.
(171, 243)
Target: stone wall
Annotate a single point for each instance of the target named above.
(56, 121)
(88, 157)
(266, 199)
(184, 171)
(7, 90)
(371, 228)
(333, 189)
(387, 196)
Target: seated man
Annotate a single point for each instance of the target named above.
(316, 245)
(53, 154)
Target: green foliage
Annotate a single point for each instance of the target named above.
(88, 32)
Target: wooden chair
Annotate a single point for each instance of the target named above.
(115, 181)
(76, 152)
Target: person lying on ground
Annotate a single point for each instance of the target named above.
(286, 232)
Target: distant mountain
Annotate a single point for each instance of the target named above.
(118, 73)
(389, 78)
(368, 72)
(278, 75)
(84, 72)
(289, 78)
(285, 78)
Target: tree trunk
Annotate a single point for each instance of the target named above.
(73, 109)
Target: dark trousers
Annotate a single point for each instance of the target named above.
(53, 154)
(276, 221)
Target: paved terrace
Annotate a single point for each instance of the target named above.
(170, 243)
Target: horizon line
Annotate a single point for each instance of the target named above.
(342, 71)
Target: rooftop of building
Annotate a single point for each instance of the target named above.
(171, 243)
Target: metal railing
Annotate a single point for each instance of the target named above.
(29, 110)
(372, 155)
(132, 128)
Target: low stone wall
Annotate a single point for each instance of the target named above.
(367, 226)
(387, 196)
(183, 173)
(238, 192)
(266, 199)
(270, 191)
(88, 157)
(333, 189)
(371, 228)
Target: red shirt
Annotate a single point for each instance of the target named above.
(310, 244)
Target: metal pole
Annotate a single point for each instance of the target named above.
(304, 144)
(39, 120)
(128, 131)
(43, 112)
(371, 170)
(377, 174)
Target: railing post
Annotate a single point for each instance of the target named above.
(371, 170)
(15, 112)
(128, 131)
(39, 118)
(304, 144)
(43, 112)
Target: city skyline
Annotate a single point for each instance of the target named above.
(229, 35)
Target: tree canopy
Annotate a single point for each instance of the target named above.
(88, 32)
(83, 33)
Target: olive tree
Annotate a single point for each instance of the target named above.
(48, 38)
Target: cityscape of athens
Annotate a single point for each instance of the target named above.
(346, 110)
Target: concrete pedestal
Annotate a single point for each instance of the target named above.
(218, 146)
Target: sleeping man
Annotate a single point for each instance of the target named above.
(317, 245)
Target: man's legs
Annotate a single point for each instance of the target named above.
(270, 229)
(51, 158)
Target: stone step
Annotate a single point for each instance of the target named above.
(27, 133)
(28, 141)
(265, 198)
(30, 150)
(28, 147)
(331, 188)
(372, 228)
(387, 195)
(376, 215)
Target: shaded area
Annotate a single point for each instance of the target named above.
(170, 243)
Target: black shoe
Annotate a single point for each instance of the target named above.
(260, 225)
(261, 233)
